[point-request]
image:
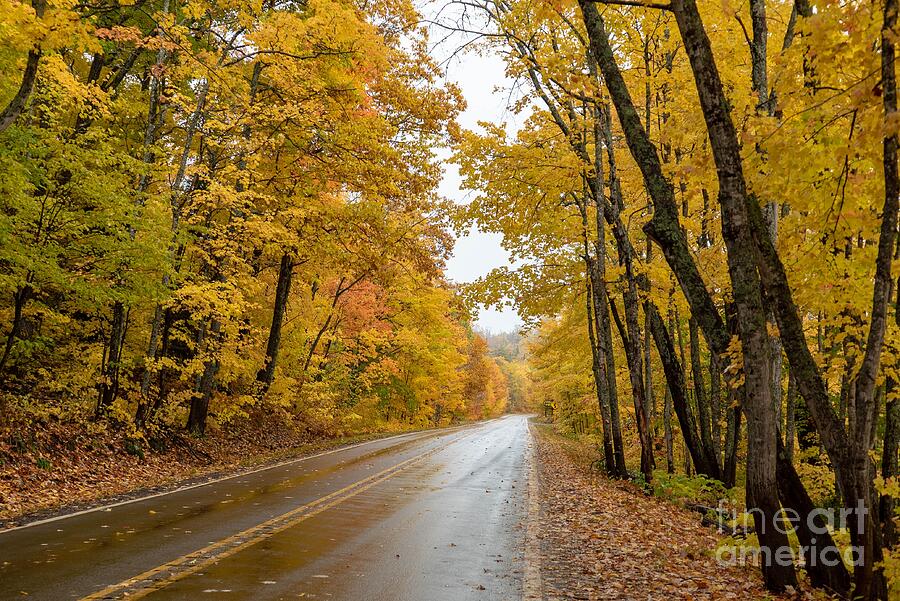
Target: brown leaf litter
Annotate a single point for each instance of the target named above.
(603, 540)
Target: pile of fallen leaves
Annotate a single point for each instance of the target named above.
(72, 465)
(602, 539)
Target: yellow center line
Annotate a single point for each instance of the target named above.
(161, 576)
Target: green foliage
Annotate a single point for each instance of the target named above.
(891, 562)
(817, 476)
(693, 489)
(169, 156)
(891, 567)
(134, 447)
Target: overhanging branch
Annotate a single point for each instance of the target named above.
(635, 3)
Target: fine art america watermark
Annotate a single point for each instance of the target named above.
(820, 550)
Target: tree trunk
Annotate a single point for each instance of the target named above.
(147, 375)
(196, 424)
(632, 340)
(789, 421)
(703, 462)
(605, 347)
(15, 106)
(650, 409)
(890, 466)
(741, 257)
(598, 365)
(20, 298)
(606, 344)
(664, 225)
(266, 375)
(733, 438)
(109, 387)
(715, 406)
(155, 115)
(147, 407)
(817, 545)
(633, 358)
(675, 322)
(704, 414)
(315, 342)
(664, 228)
(777, 377)
(339, 291)
(667, 429)
(602, 391)
(848, 454)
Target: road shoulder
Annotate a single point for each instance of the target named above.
(532, 586)
(602, 539)
(151, 476)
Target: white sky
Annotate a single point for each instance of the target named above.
(478, 76)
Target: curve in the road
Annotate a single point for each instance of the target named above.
(161, 576)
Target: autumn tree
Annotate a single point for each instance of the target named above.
(213, 210)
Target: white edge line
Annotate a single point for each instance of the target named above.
(237, 475)
(217, 480)
(532, 587)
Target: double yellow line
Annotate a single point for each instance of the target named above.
(161, 576)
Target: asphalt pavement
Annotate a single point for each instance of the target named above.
(428, 516)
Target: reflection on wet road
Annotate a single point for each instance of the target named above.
(433, 516)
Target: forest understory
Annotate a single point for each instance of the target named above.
(58, 468)
(605, 539)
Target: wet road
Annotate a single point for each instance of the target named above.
(432, 516)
